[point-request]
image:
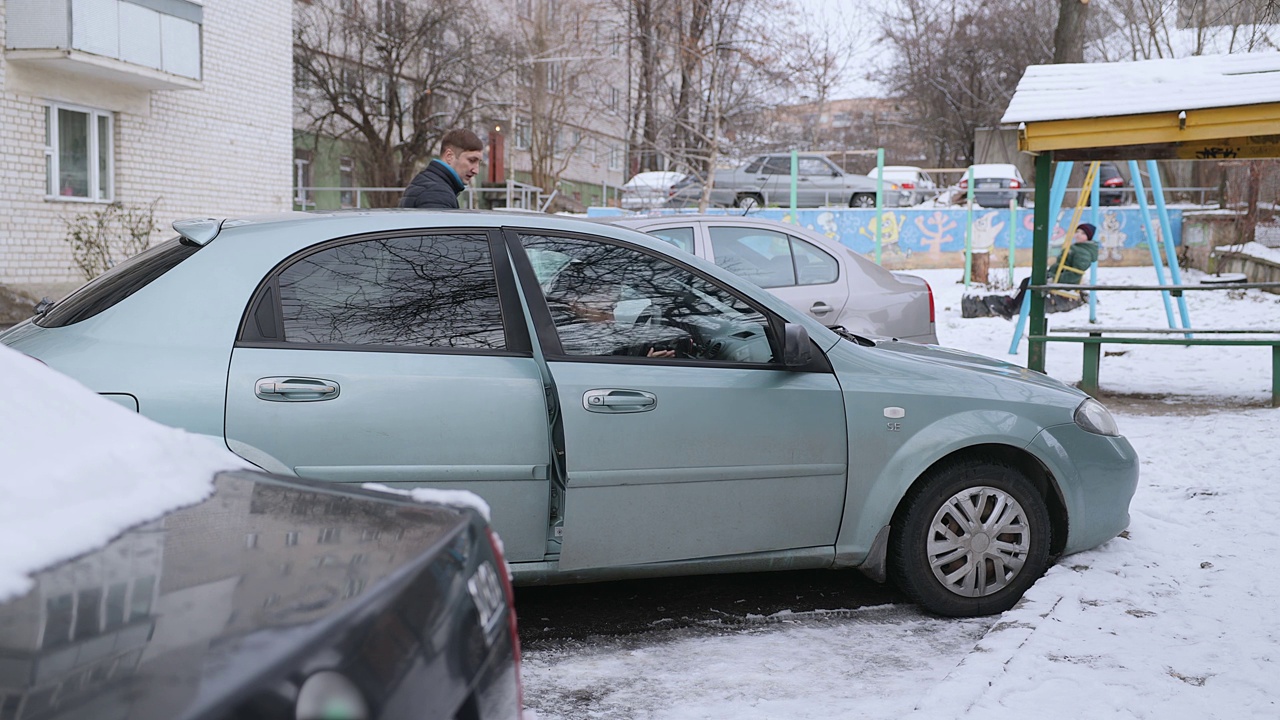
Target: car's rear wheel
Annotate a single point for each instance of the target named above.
(971, 539)
(862, 200)
(748, 201)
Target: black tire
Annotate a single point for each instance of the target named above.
(862, 200)
(959, 587)
(748, 201)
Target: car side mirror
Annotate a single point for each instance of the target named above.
(797, 349)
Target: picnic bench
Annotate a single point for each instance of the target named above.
(1093, 337)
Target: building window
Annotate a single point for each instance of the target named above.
(302, 179)
(521, 135)
(79, 157)
(353, 588)
(615, 158)
(329, 536)
(555, 77)
(347, 180)
(615, 98)
(291, 538)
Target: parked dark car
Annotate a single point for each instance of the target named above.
(1111, 184)
(272, 598)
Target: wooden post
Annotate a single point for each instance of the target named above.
(981, 265)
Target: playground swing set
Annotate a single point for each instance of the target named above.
(1226, 107)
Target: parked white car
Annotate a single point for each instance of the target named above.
(648, 189)
(995, 184)
(919, 184)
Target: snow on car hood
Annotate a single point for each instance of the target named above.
(79, 469)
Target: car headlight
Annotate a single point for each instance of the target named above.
(1094, 418)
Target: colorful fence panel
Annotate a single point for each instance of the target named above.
(921, 237)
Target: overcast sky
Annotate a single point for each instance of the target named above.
(862, 14)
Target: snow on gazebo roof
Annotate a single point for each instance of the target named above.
(1093, 90)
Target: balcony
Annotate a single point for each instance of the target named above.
(145, 44)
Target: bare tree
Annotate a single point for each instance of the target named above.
(1069, 37)
(649, 38)
(959, 62)
(1147, 29)
(565, 83)
(393, 76)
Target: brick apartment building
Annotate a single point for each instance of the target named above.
(176, 102)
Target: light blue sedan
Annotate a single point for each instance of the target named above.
(625, 408)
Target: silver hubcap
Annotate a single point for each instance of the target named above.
(978, 541)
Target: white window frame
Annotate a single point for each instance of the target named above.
(301, 184)
(523, 132)
(347, 195)
(52, 160)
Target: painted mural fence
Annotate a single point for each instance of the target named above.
(935, 237)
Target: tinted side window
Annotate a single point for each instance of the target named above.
(610, 300)
(425, 291)
(118, 283)
(761, 256)
(813, 166)
(777, 166)
(813, 265)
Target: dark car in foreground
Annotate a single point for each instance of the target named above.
(272, 598)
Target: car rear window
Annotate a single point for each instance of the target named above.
(117, 283)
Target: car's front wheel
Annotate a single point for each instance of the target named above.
(972, 538)
(748, 201)
(862, 200)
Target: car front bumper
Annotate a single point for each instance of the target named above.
(1097, 477)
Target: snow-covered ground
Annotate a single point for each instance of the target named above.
(1175, 619)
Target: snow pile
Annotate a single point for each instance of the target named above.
(79, 470)
(1072, 91)
(451, 498)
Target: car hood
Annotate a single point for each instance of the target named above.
(973, 362)
(204, 601)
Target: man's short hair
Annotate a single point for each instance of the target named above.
(461, 140)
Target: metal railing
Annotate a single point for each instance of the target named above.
(512, 195)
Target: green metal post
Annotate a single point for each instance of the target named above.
(1039, 258)
(1089, 374)
(1275, 376)
(879, 198)
(968, 231)
(795, 175)
(1013, 236)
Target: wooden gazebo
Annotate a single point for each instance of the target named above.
(1196, 108)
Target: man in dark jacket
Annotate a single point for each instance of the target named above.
(438, 185)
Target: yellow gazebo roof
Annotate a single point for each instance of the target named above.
(1202, 107)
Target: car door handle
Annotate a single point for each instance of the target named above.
(618, 401)
(820, 308)
(292, 389)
